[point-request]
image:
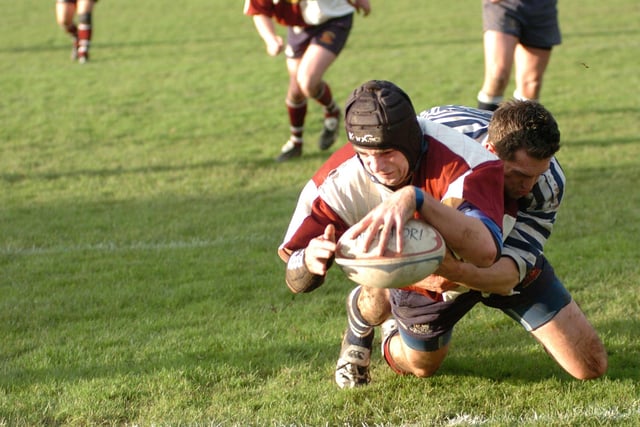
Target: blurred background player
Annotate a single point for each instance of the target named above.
(520, 33)
(317, 32)
(66, 11)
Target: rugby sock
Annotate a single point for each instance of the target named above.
(325, 97)
(488, 102)
(386, 353)
(297, 113)
(84, 34)
(359, 331)
(72, 30)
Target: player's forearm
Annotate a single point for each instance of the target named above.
(265, 27)
(500, 278)
(468, 237)
(298, 277)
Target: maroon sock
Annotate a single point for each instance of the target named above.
(325, 97)
(297, 113)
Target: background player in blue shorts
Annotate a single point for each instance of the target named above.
(520, 33)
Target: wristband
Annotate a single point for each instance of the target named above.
(419, 198)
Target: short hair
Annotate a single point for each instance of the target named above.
(520, 124)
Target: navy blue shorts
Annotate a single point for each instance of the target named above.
(533, 22)
(426, 324)
(332, 35)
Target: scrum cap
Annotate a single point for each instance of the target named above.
(379, 115)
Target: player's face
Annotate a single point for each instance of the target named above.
(522, 173)
(390, 167)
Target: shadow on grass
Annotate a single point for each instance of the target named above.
(56, 46)
(500, 352)
(623, 347)
(511, 355)
(603, 142)
(254, 164)
(506, 355)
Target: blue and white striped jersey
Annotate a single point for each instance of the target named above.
(536, 211)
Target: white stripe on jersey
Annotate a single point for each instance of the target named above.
(320, 11)
(471, 121)
(350, 191)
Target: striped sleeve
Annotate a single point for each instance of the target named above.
(470, 121)
(536, 217)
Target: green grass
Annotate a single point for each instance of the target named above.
(140, 212)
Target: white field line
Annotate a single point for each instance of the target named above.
(113, 247)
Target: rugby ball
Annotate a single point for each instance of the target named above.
(422, 254)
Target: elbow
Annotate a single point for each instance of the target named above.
(483, 252)
(478, 256)
(504, 290)
(487, 261)
(482, 259)
(490, 252)
(488, 255)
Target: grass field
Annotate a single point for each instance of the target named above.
(141, 209)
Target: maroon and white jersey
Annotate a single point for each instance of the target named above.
(454, 169)
(299, 13)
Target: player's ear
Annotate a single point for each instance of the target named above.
(489, 146)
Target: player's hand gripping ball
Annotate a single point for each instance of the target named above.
(423, 252)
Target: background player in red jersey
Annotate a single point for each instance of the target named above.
(317, 33)
(66, 10)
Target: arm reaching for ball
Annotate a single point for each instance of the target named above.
(467, 236)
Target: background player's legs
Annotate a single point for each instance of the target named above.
(530, 65)
(313, 65)
(498, 59)
(65, 12)
(84, 10)
(296, 102)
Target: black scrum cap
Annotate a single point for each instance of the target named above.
(379, 115)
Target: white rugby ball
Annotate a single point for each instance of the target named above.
(422, 254)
